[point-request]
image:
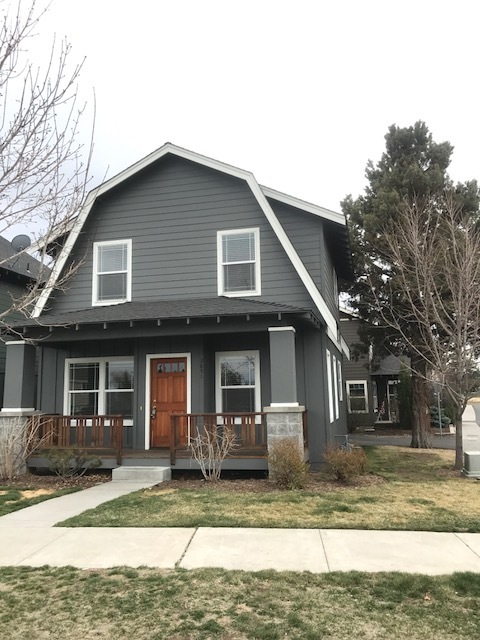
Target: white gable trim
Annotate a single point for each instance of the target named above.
(327, 214)
(326, 314)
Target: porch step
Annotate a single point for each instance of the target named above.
(141, 474)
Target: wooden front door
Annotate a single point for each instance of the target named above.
(168, 394)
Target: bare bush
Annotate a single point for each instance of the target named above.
(286, 465)
(19, 439)
(346, 463)
(210, 447)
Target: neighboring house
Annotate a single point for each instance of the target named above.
(371, 382)
(196, 292)
(17, 273)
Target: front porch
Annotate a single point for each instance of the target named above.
(103, 436)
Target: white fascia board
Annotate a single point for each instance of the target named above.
(327, 214)
(344, 348)
(218, 166)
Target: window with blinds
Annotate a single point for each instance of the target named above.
(238, 262)
(112, 272)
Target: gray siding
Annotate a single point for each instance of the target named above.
(357, 369)
(354, 369)
(306, 234)
(328, 282)
(8, 293)
(172, 212)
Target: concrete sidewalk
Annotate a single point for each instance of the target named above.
(314, 550)
(48, 513)
(28, 538)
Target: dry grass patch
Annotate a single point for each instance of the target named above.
(214, 604)
(406, 490)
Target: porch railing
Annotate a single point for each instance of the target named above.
(94, 433)
(250, 430)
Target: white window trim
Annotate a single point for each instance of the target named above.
(330, 386)
(335, 387)
(365, 387)
(340, 381)
(128, 297)
(220, 279)
(218, 386)
(101, 382)
(148, 359)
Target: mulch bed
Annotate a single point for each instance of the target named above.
(233, 482)
(53, 482)
(317, 482)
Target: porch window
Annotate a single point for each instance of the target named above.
(102, 386)
(238, 382)
(238, 262)
(357, 398)
(112, 272)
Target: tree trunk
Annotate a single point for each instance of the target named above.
(421, 418)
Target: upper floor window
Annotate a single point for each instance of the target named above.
(112, 272)
(238, 262)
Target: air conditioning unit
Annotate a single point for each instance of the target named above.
(471, 464)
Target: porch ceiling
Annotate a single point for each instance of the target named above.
(168, 310)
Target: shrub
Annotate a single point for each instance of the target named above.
(346, 463)
(286, 466)
(210, 447)
(71, 462)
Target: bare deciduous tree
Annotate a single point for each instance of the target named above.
(435, 250)
(42, 175)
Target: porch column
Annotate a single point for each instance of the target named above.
(18, 404)
(283, 373)
(19, 390)
(284, 415)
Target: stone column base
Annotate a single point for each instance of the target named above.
(285, 423)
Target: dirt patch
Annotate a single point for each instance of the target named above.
(33, 493)
(51, 483)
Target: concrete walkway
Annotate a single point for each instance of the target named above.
(314, 550)
(28, 538)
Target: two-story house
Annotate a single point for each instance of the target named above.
(371, 381)
(195, 291)
(18, 272)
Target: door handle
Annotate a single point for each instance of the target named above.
(154, 413)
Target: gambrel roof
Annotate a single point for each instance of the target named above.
(262, 194)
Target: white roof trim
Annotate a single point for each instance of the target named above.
(327, 214)
(284, 240)
(345, 348)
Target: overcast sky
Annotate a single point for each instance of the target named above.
(299, 92)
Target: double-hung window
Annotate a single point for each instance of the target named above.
(99, 386)
(112, 272)
(238, 262)
(357, 398)
(238, 382)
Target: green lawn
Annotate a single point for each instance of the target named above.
(67, 604)
(13, 498)
(407, 490)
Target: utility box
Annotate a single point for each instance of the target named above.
(471, 464)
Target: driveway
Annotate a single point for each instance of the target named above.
(471, 435)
